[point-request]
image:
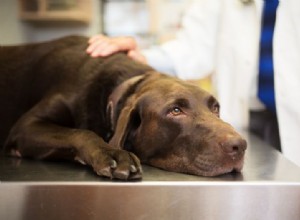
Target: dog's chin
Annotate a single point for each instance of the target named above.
(206, 168)
(221, 169)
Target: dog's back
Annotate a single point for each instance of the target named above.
(30, 72)
(21, 68)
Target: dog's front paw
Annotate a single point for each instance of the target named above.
(117, 164)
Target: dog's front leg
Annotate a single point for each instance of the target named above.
(41, 139)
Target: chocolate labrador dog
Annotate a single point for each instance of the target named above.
(110, 113)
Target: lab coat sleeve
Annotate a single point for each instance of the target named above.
(191, 55)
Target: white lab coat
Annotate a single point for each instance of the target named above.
(222, 37)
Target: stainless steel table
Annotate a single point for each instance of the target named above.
(268, 188)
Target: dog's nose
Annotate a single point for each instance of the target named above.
(234, 145)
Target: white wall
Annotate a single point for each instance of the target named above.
(14, 31)
(11, 29)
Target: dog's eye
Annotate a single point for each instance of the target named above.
(176, 111)
(215, 108)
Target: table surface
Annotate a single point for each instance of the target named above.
(267, 188)
(262, 164)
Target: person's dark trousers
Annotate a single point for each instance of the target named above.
(264, 124)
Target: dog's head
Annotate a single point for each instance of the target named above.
(175, 126)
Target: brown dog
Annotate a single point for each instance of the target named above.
(58, 103)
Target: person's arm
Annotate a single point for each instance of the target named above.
(190, 55)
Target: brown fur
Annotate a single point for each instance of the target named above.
(110, 113)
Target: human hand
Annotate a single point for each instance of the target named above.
(101, 46)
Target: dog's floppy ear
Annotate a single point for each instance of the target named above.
(125, 122)
(116, 96)
(129, 118)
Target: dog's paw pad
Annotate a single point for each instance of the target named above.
(136, 176)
